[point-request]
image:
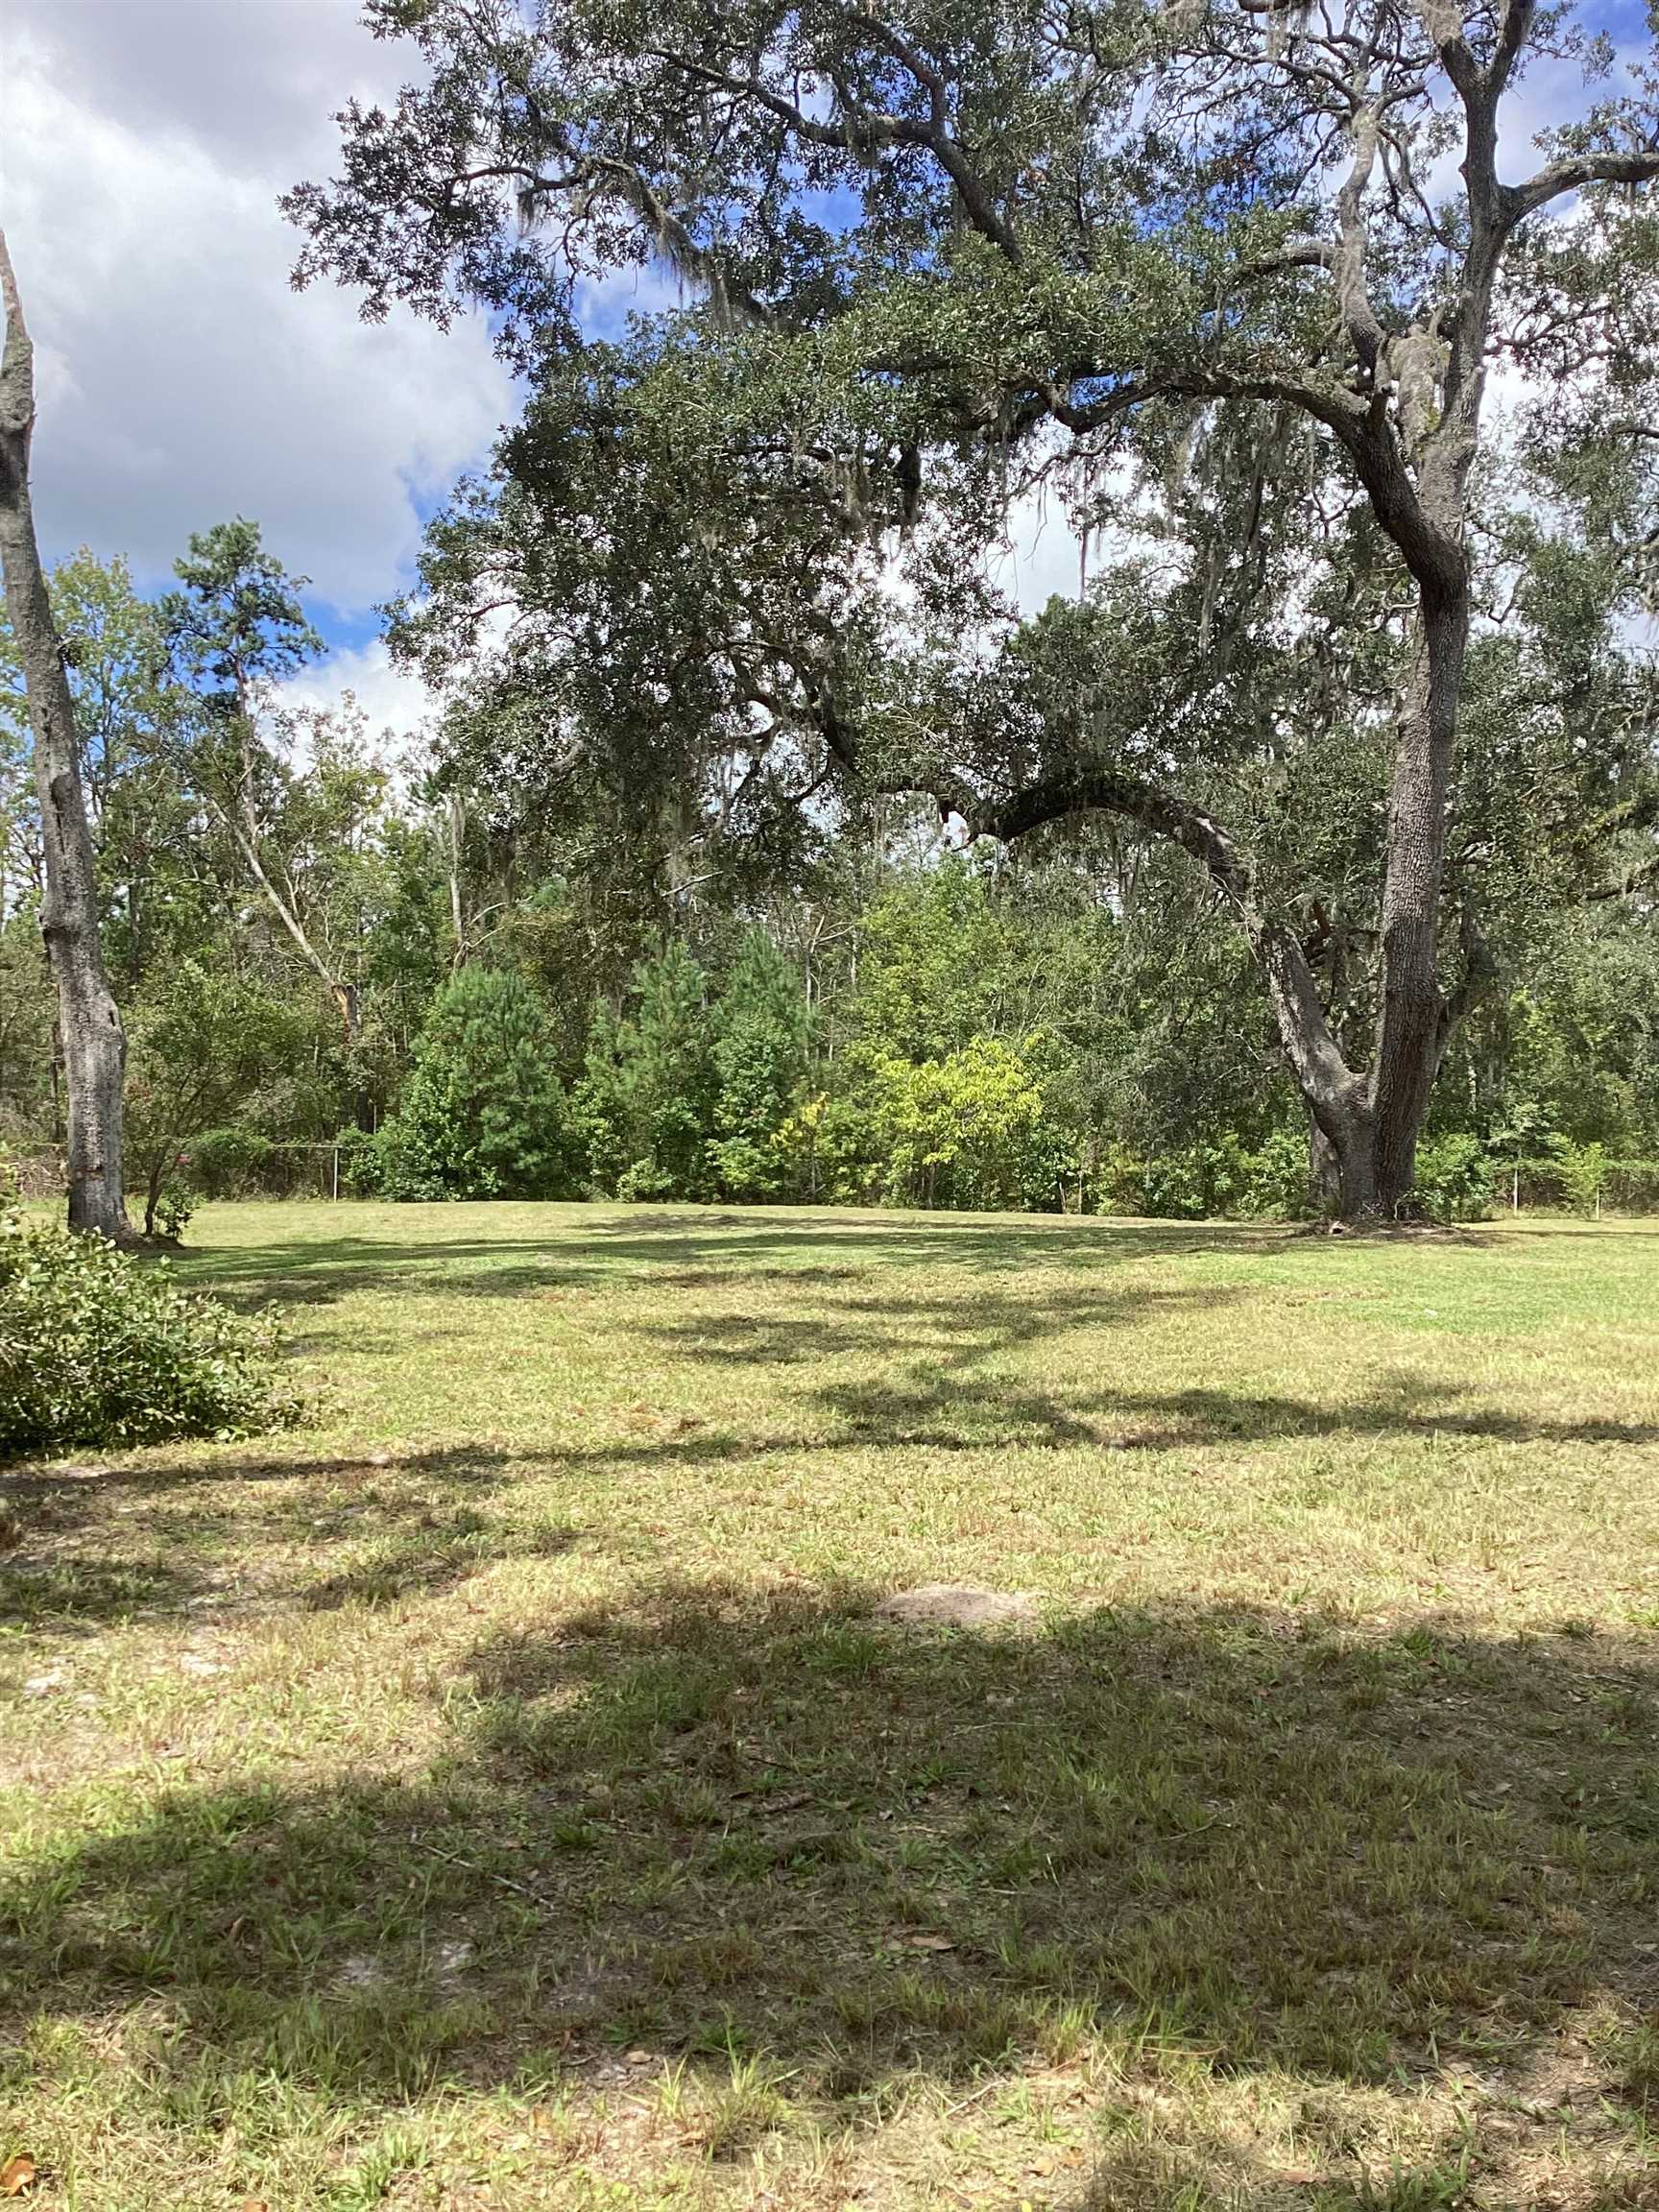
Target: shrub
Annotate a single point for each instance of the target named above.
(201, 1038)
(483, 1113)
(1116, 1181)
(361, 1163)
(971, 1130)
(1207, 1181)
(1272, 1183)
(230, 1162)
(169, 1212)
(1453, 1180)
(98, 1347)
(1584, 1172)
(1193, 1184)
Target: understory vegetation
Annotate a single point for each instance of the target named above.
(374, 983)
(504, 1791)
(100, 1348)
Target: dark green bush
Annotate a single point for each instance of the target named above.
(230, 1162)
(98, 1347)
(1203, 1182)
(1453, 1180)
(360, 1163)
(483, 1113)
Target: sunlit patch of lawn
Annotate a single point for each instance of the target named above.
(499, 1793)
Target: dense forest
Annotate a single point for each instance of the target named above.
(349, 964)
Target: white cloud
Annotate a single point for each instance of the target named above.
(143, 144)
(394, 702)
(1044, 559)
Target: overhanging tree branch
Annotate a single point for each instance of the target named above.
(1334, 1091)
(1573, 172)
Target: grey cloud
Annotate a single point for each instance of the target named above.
(181, 379)
(255, 81)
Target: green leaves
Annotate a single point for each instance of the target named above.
(483, 1114)
(99, 1348)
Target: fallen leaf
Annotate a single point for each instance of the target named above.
(791, 1801)
(254, 2204)
(18, 2174)
(925, 1942)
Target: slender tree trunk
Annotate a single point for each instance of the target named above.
(344, 995)
(152, 1192)
(94, 1048)
(457, 822)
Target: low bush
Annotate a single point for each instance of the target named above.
(231, 1162)
(1453, 1180)
(1202, 1182)
(99, 1348)
(360, 1167)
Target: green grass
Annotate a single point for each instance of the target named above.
(498, 1792)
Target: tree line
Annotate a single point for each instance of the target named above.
(318, 939)
(1356, 666)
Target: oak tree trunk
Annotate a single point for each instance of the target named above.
(94, 1048)
(1324, 1169)
(1410, 1030)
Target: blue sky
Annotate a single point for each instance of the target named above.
(142, 145)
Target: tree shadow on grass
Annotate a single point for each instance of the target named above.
(720, 1822)
(954, 1414)
(41, 1592)
(101, 1548)
(946, 1382)
(738, 1251)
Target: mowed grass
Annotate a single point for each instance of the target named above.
(498, 1792)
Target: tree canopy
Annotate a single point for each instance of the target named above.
(1227, 283)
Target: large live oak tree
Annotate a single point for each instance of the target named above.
(88, 1022)
(947, 249)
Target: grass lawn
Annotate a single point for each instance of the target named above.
(498, 1793)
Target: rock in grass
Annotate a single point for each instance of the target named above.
(955, 1605)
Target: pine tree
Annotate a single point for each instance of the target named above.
(646, 1104)
(761, 1026)
(484, 1112)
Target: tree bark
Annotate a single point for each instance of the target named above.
(1324, 1169)
(1411, 1024)
(94, 1046)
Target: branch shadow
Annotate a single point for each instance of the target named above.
(738, 1251)
(101, 1547)
(717, 1824)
